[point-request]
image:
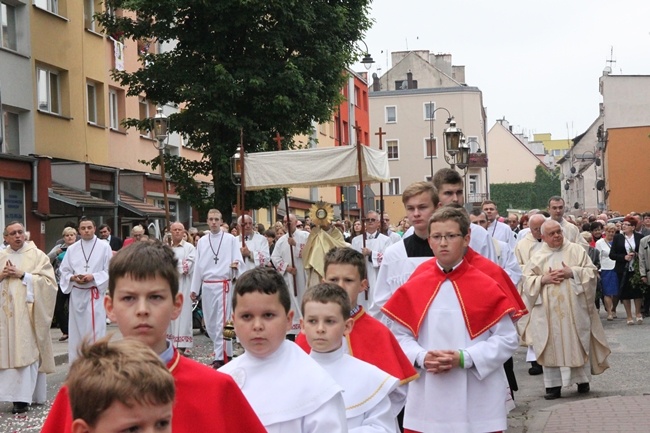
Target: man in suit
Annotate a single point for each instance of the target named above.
(105, 234)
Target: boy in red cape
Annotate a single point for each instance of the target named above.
(143, 299)
(455, 324)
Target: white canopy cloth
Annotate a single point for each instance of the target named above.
(333, 166)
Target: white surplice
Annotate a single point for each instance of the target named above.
(87, 316)
(366, 391)
(396, 268)
(378, 243)
(180, 330)
(460, 400)
(212, 278)
(507, 260)
(502, 232)
(526, 247)
(259, 250)
(281, 258)
(289, 391)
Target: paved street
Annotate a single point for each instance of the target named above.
(616, 402)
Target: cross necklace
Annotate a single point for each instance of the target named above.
(87, 259)
(216, 255)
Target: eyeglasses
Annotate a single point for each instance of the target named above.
(372, 220)
(449, 237)
(626, 224)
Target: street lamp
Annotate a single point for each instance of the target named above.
(589, 157)
(161, 132)
(451, 136)
(367, 60)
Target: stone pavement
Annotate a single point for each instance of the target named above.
(617, 401)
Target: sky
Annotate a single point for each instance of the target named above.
(536, 62)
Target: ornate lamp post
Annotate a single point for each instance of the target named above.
(161, 132)
(451, 138)
(367, 60)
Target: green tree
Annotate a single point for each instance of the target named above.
(527, 195)
(261, 66)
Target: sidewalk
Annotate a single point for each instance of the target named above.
(571, 414)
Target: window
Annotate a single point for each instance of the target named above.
(11, 133)
(429, 110)
(48, 88)
(392, 148)
(48, 5)
(393, 186)
(8, 21)
(357, 100)
(113, 109)
(91, 94)
(89, 11)
(473, 183)
(391, 114)
(144, 114)
(430, 147)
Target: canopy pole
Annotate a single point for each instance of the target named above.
(278, 139)
(363, 212)
(381, 189)
(242, 187)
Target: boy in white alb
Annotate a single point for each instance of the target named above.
(366, 388)
(287, 389)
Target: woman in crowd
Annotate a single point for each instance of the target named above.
(523, 222)
(56, 257)
(608, 275)
(624, 250)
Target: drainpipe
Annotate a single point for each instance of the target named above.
(116, 222)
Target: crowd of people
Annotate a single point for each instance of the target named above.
(408, 327)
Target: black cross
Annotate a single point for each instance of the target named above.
(216, 260)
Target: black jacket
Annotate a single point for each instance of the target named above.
(619, 250)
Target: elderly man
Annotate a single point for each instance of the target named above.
(105, 234)
(255, 249)
(27, 297)
(525, 249)
(376, 244)
(180, 329)
(293, 270)
(569, 340)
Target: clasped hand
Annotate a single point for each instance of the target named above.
(10, 271)
(441, 361)
(557, 276)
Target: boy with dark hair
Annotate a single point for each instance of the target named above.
(370, 340)
(288, 390)
(454, 319)
(120, 386)
(143, 299)
(366, 388)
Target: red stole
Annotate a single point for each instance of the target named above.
(371, 341)
(482, 300)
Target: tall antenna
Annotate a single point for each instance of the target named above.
(611, 60)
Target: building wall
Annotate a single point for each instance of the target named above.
(556, 148)
(510, 160)
(626, 167)
(16, 93)
(411, 129)
(625, 100)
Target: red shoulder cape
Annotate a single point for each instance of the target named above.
(371, 341)
(206, 400)
(481, 299)
(494, 271)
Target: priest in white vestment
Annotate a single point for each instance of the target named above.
(255, 249)
(292, 271)
(27, 297)
(217, 263)
(376, 245)
(84, 275)
(556, 208)
(495, 228)
(180, 329)
(566, 332)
